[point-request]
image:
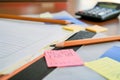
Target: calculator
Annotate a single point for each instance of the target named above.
(101, 12)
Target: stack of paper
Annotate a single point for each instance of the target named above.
(22, 41)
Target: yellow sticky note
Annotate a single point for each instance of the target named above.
(74, 28)
(107, 67)
(96, 28)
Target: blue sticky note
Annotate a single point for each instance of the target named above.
(63, 15)
(113, 53)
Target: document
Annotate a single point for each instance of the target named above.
(22, 41)
(87, 53)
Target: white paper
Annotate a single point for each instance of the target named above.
(21, 41)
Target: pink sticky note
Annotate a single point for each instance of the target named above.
(61, 58)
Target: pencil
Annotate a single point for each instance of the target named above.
(86, 41)
(55, 21)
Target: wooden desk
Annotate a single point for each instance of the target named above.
(36, 7)
(19, 8)
(39, 7)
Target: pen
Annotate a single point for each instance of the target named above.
(55, 21)
(85, 41)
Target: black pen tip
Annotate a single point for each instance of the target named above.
(52, 45)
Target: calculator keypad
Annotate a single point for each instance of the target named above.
(101, 12)
(98, 11)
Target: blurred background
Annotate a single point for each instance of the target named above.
(23, 7)
(39, 6)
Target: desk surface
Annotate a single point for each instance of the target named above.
(39, 7)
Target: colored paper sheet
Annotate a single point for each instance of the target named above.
(61, 58)
(74, 28)
(64, 15)
(46, 15)
(113, 53)
(96, 28)
(107, 67)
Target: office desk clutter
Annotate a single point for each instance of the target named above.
(24, 41)
(89, 54)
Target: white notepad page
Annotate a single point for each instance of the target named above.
(21, 41)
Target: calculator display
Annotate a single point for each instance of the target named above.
(108, 6)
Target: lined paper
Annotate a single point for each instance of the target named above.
(24, 40)
(107, 67)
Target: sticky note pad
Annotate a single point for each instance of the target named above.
(113, 53)
(107, 67)
(74, 28)
(96, 28)
(61, 58)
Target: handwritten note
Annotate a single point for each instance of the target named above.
(107, 67)
(61, 58)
